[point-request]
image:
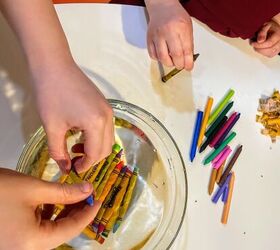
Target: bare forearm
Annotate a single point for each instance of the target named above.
(37, 26)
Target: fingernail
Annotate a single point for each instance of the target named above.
(86, 187)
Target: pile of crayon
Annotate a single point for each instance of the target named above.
(113, 183)
(217, 130)
(269, 115)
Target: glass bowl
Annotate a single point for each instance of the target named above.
(159, 202)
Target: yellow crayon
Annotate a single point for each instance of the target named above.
(111, 223)
(116, 152)
(127, 198)
(93, 171)
(89, 233)
(105, 187)
(102, 210)
(115, 202)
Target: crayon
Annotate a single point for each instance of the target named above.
(223, 158)
(217, 121)
(195, 135)
(220, 172)
(225, 195)
(221, 189)
(114, 204)
(230, 165)
(222, 130)
(212, 181)
(111, 223)
(220, 106)
(229, 198)
(107, 175)
(205, 120)
(102, 210)
(93, 171)
(219, 149)
(57, 210)
(103, 170)
(217, 158)
(127, 198)
(211, 136)
(76, 179)
(92, 235)
(112, 179)
(227, 131)
(176, 71)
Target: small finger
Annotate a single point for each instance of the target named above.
(270, 52)
(151, 49)
(262, 34)
(270, 42)
(176, 51)
(162, 52)
(187, 44)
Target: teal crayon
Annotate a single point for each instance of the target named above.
(220, 148)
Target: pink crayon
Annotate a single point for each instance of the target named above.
(222, 158)
(223, 129)
(216, 159)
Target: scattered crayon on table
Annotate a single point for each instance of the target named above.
(221, 189)
(176, 71)
(220, 172)
(205, 120)
(212, 135)
(195, 135)
(230, 165)
(212, 181)
(229, 198)
(223, 158)
(220, 106)
(219, 118)
(225, 133)
(219, 149)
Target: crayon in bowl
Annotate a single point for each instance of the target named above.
(113, 183)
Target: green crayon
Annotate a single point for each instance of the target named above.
(109, 160)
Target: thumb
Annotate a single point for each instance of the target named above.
(262, 35)
(56, 193)
(58, 149)
(65, 229)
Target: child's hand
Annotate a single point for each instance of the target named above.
(170, 34)
(268, 40)
(22, 226)
(68, 99)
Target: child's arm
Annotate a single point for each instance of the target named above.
(170, 34)
(66, 98)
(268, 38)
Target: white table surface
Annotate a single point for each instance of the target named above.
(108, 42)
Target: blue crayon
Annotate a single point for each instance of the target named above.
(225, 195)
(90, 200)
(221, 190)
(196, 134)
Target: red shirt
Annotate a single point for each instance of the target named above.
(234, 18)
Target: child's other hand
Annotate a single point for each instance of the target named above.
(268, 40)
(22, 226)
(68, 99)
(170, 34)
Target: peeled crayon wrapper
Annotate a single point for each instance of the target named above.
(127, 198)
(103, 170)
(102, 210)
(114, 204)
(106, 177)
(112, 179)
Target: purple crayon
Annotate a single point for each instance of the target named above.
(223, 136)
(221, 190)
(225, 195)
